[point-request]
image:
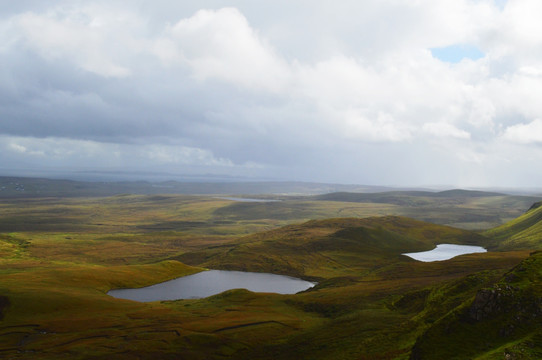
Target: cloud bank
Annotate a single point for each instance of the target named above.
(351, 92)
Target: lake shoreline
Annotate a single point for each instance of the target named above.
(444, 252)
(211, 282)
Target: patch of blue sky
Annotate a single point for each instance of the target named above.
(456, 53)
(501, 3)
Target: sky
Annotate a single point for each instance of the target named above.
(375, 92)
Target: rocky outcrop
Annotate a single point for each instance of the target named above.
(507, 316)
(515, 308)
(489, 302)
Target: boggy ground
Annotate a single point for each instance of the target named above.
(59, 257)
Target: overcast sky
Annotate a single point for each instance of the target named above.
(381, 92)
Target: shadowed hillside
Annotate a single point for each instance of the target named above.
(501, 321)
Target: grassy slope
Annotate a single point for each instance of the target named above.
(329, 248)
(59, 310)
(367, 316)
(360, 269)
(525, 232)
(503, 319)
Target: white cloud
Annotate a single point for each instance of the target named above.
(278, 83)
(90, 37)
(524, 133)
(442, 129)
(221, 44)
(380, 127)
(18, 148)
(75, 151)
(522, 22)
(51, 147)
(183, 155)
(470, 156)
(338, 81)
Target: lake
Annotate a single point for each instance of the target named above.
(211, 282)
(445, 252)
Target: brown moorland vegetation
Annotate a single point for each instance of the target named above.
(59, 257)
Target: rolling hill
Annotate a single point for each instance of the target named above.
(501, 321)
(334, 247)
(371, 302)
(525, 232)
(504, 319)
(472, 300)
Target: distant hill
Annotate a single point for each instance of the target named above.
(465, 193)
(12, 187)
(525, 232)
(403, 197)
(474, 210)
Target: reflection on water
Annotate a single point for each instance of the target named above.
(207, 283)
(445, 252)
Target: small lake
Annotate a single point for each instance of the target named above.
(211, 282)
(445, 252)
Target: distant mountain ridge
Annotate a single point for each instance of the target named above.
(11, 187)
(386, 196)
(18, 186)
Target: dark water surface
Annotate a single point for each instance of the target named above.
(207, 283)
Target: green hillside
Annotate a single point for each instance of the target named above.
(501, 321)
(60, 256)
(375, 302)
(525, 232)
(322, 249)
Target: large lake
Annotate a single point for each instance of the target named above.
(207, 283)
(445, 252)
